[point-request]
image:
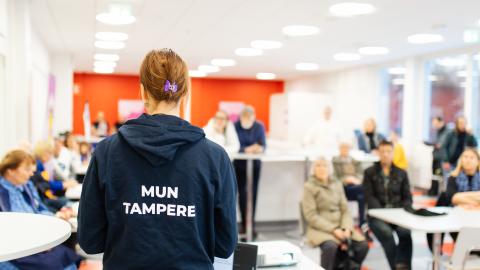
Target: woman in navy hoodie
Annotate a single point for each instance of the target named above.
(158, 194)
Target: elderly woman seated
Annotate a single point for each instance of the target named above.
(329, 223)
(17, 194)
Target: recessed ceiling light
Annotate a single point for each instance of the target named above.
(266, 44)
(424, 38)
(300, 30)
(248, 52)
(373, 50)
(223, 62)
(397, 70)
(306, 66)
(266, 76)
(102, 70)
(111, 45)
(350, 9)
(433, 78)
(196, 73)
(208, 68)
(104, 64)
(111, 36)
(398, 81)
(106, 57)
(345, 57)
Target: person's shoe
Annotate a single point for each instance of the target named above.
(366, 232)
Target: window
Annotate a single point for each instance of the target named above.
(447, 82)
(392, 98)
(475, 117)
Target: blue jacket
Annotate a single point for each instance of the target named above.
(158, 195)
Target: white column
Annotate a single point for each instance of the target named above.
(62, 70)
(414, 113)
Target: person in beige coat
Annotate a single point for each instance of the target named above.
(329, 223)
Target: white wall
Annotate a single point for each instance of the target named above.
(352, 93)
(24, 88)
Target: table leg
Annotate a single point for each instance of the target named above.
(249, 218)
(436, 250)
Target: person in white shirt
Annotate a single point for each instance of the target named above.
(323, 136)
(221, 131)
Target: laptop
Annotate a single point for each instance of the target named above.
(243, 258)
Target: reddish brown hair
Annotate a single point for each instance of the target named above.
(160, 66)
(13, 159)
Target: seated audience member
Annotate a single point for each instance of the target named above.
(463, 187)
(349, 172)
(399, 157)
(100, 127)
(85, 153)
(441, 132)
(17, 194)
(457, 140)
(63, 159)
(387, 186)
(323, 135)
(368, 140)
(45, 180)
(329, 223)
(221, 131)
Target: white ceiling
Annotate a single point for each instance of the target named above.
(202, 30)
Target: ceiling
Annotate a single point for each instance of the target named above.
(202, 30)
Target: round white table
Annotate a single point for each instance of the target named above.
(24, 234)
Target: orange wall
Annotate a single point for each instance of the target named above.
(207, 93)
(104, 91)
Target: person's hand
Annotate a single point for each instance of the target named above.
(446, 166)
(249, 149)
(70, 183)
(257, 148)
(339, 234)
(470, 206)
(347, 234)
(63, 214)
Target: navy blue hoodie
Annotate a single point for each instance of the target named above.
(158, 195)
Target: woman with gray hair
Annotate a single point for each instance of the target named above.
(329, 223)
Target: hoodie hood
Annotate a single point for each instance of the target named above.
(158, 137)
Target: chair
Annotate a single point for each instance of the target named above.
(468, 241)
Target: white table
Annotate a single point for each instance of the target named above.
(305, 264)
(24, 234)
(452, 222)
(74, 193)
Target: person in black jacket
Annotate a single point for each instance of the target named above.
(441, 134)
(158, 194)
(456, 142)
(387, 186)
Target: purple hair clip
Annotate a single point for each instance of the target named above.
(170, 87)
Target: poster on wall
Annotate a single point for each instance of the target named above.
(129, 109)
(232, 108)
